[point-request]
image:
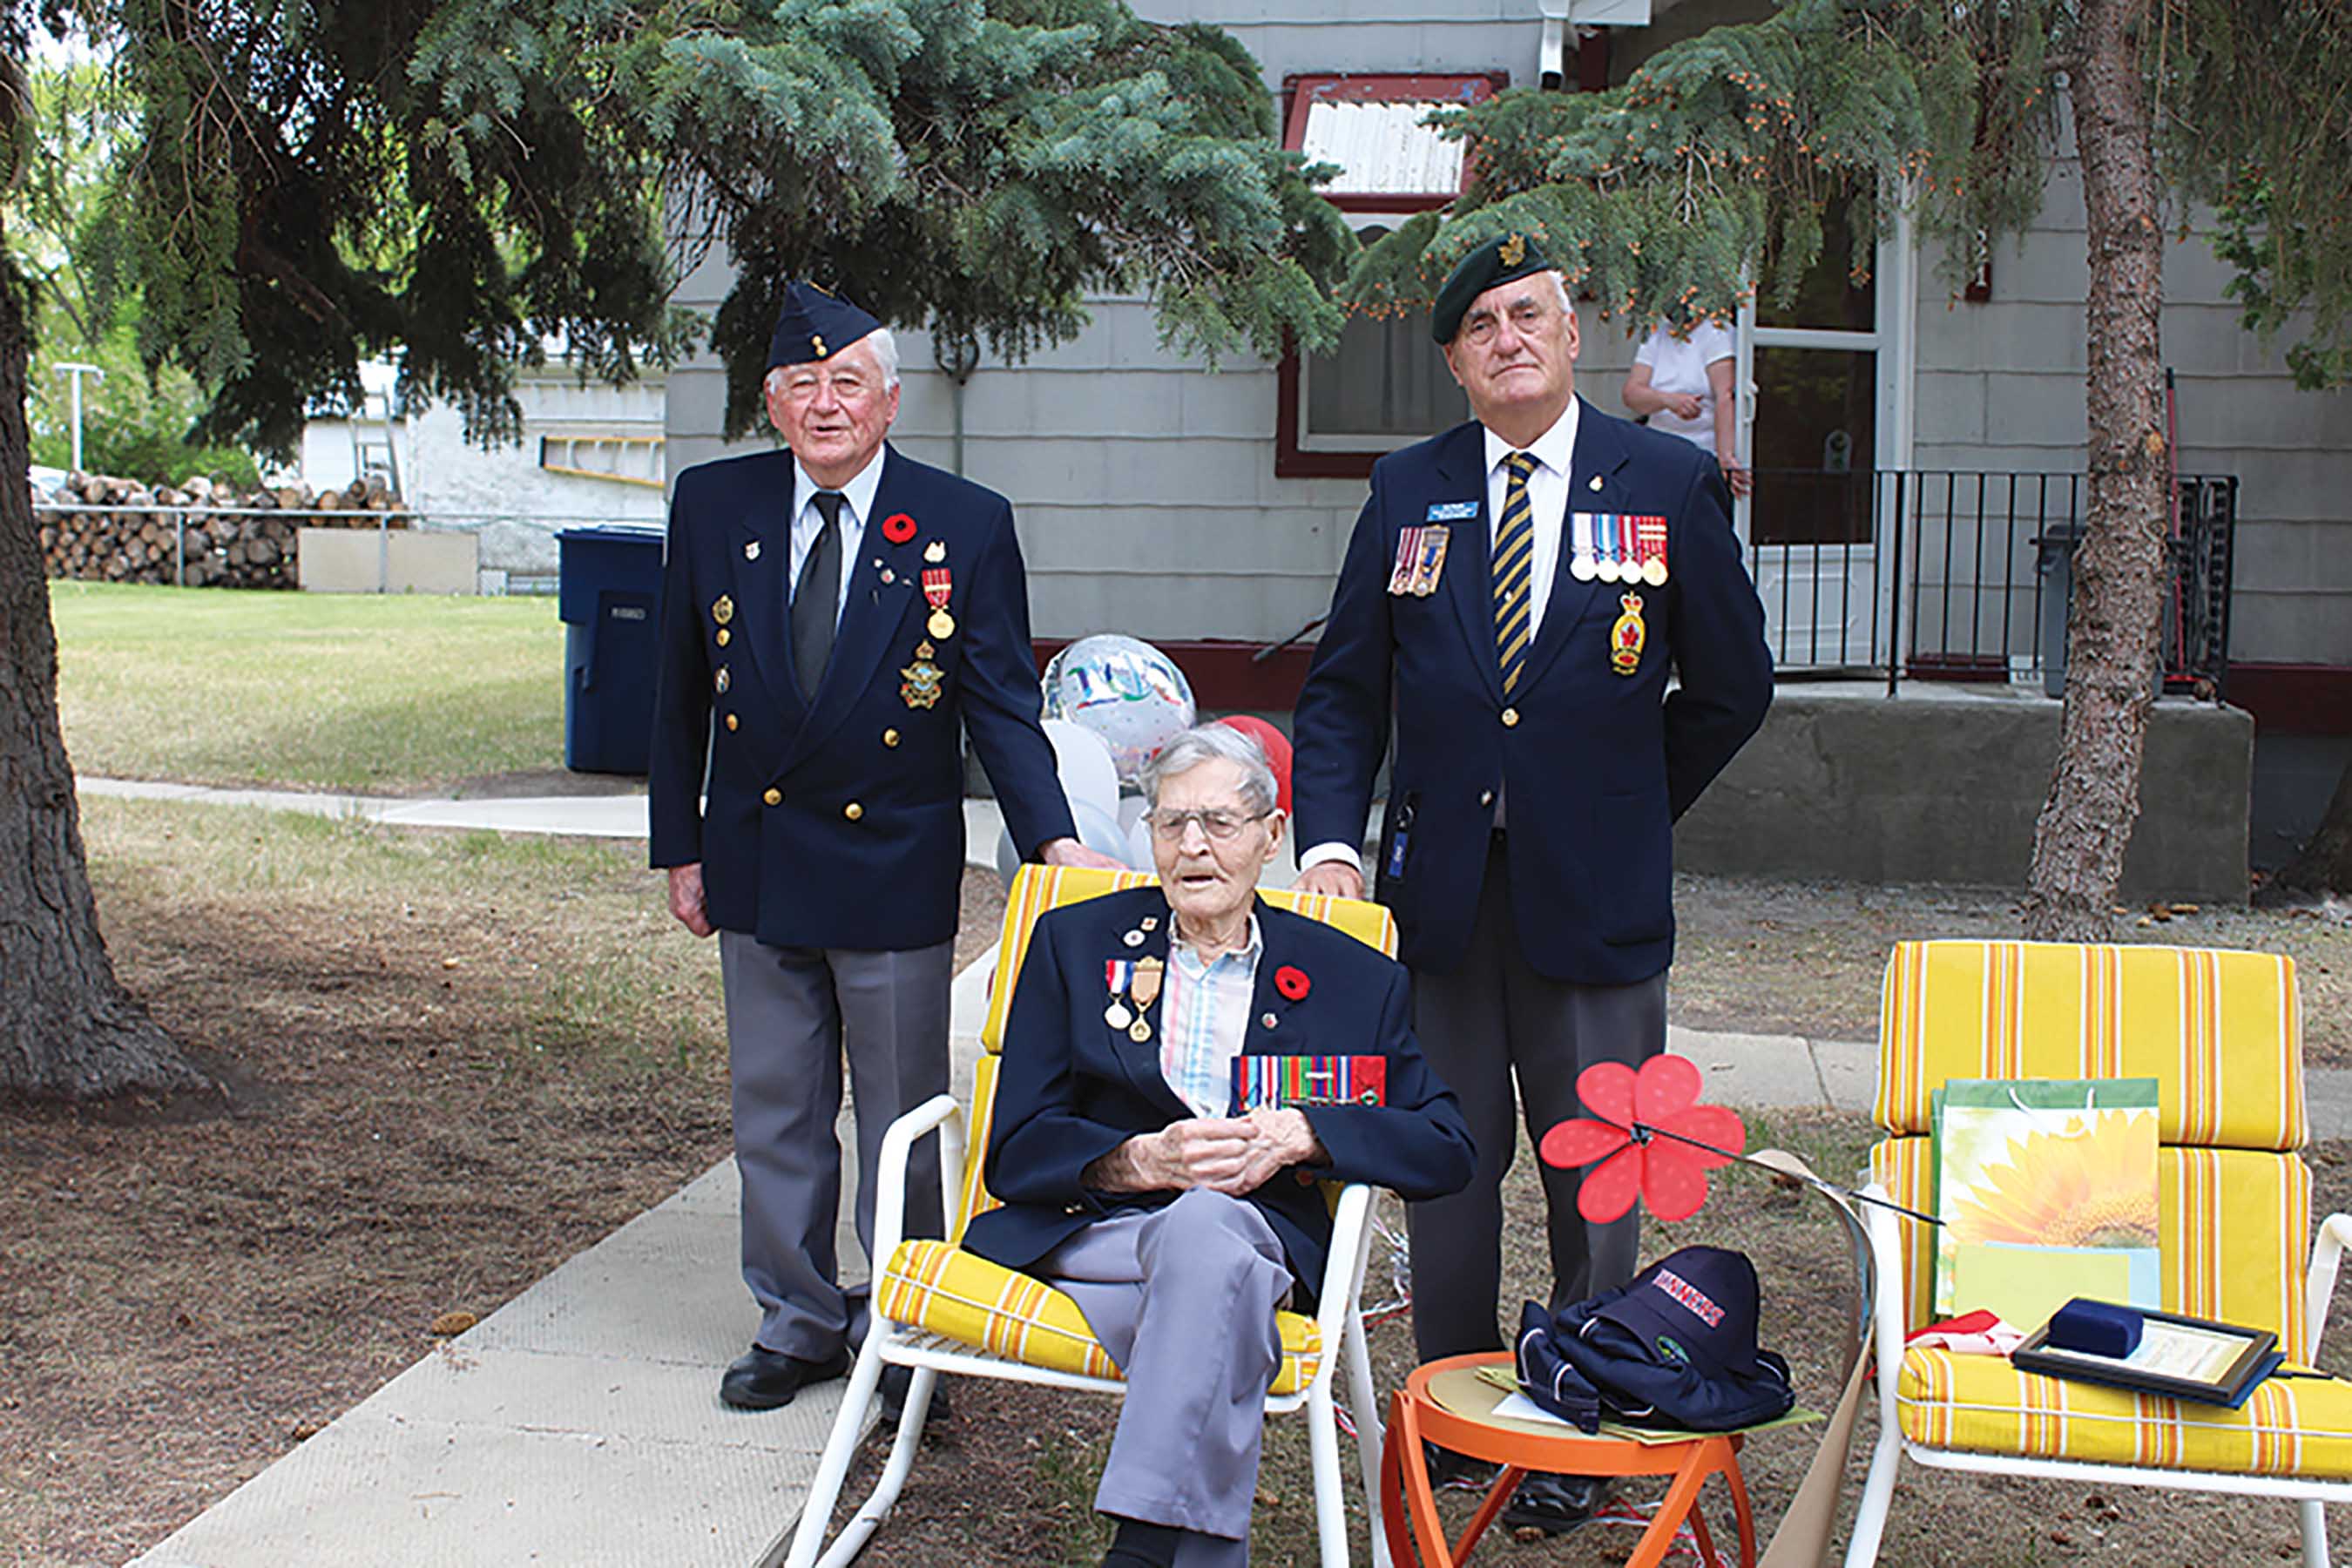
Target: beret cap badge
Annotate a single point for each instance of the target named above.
(1504, 259)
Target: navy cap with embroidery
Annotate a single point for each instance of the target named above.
(1697, 1305)
(814, 325)
(1506, 258)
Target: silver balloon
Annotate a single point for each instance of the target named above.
(1124, 691)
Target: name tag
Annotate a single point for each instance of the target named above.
(1452, 511)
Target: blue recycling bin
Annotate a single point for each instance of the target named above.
(607, 593)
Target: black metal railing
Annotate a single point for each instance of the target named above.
(1945, 575)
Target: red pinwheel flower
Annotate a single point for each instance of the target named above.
(1292, 982)
(897, 528)
(1633, 1143)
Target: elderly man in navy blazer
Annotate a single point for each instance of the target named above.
(831, 616)
(1156, 1162)
(1516, 593)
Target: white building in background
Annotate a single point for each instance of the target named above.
(589, 454)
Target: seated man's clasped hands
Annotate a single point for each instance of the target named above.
(1183, 1064)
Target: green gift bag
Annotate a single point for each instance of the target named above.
(2047, 1190)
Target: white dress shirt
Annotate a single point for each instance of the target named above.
(1554, 452)
(1546, 494)
(1204, 1015)
(808, 523)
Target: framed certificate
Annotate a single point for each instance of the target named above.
(2178, 1357)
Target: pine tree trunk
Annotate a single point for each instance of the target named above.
(2112, 630)
(67, 1027)
(2324, 865)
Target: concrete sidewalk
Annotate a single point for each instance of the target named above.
(586, 816)
(555, 815)
(580, 1423)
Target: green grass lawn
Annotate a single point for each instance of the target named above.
(356, 692)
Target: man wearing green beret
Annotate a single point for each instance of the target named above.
(1514, 596)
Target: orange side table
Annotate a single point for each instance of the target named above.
(1448, 1403)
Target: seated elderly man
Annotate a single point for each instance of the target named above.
(1144, 1173)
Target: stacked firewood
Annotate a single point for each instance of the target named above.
(91, 530)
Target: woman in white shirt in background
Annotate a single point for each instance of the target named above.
(1684, 387)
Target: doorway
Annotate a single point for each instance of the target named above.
(1824, 394)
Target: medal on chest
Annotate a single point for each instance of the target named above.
(1118, 975)
(1134, 986)
(939, 582)
(1649, 550)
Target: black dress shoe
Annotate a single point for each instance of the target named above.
(895, 1383)
(762, 1379)
(1141, 1545)
(1554, 1504)
(1459, 1472)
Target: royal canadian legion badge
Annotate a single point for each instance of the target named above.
(1626, 637)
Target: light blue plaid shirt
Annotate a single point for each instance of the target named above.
(1204, 1018)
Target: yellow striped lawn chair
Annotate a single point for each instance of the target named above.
(936, 1308)
(2221, 1033)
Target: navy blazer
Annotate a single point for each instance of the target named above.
(840, 823)
(1596, 765)
(1073, 1088)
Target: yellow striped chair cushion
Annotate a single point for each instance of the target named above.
(2220, 1031)
(971, 1300)
(1036, 888)
(2290, 1426)
(2236, 1228)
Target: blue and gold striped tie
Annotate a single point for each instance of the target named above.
(1515, 549)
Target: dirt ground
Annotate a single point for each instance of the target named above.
(1807, 958)
(454, 1061)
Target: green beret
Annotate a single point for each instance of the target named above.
(1503, 260)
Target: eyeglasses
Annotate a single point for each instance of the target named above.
(1220, 826)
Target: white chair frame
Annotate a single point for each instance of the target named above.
(887, 1343)
(1870, 1521)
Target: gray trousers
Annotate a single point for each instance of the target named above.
(1183, 1298)
(792, 1013)
(1491, 1020)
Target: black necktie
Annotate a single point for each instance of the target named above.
(816, 600)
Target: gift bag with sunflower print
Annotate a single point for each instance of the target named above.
(2047, 1189)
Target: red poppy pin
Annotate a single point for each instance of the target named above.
(1292, 982)
(897, 528)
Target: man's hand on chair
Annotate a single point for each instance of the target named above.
(1332, 879)
(1070, 852)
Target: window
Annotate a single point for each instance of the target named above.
(1385, 385)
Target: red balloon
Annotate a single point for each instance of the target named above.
(1276, 746)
